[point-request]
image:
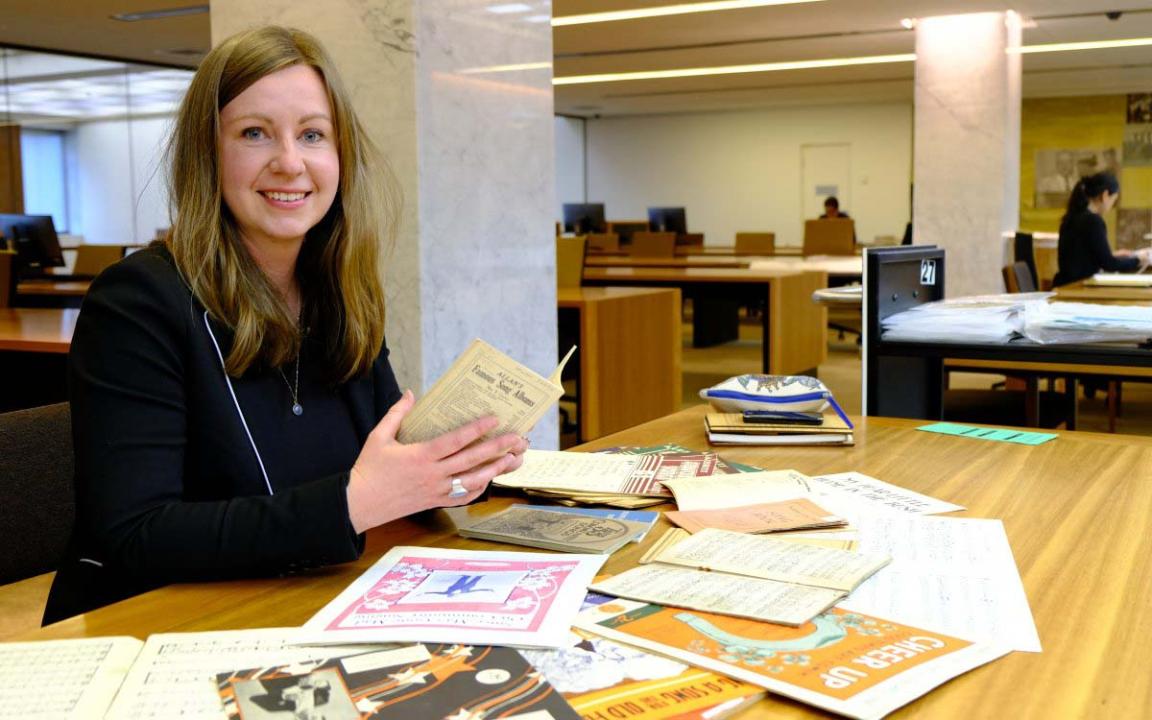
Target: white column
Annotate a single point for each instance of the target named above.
(460, 101)
(967, 144)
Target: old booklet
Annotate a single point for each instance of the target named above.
(795, 514)
(736, 595)
(550, 530)
(849, 663)
(483, 381)
(773, 559)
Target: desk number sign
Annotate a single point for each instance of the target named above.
(927, 272)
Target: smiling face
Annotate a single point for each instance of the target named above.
(279, 164)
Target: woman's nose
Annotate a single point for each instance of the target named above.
(288, 160)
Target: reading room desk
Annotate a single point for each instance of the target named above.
(34, 346)
(1080, 291)
(1077, 511)
(628, 346)
(794, 340)
(52, 293)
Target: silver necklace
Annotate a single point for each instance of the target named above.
(297, 408)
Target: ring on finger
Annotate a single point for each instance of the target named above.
(457, 490)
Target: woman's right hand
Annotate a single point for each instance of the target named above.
(391, 480)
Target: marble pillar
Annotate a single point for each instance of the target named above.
(967, 144)
(460, 101)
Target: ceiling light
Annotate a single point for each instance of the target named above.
(734, 69)
(160, 14)
(663, 10)
(509, 8)
(1094, 45)
(908, 23)
(506, 68)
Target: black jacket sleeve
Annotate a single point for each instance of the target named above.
(1096, 237)
(133, 366)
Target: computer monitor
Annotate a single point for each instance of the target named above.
(584, 218)
(667, 219)
(34, 239)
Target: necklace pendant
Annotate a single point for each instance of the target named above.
(297, 409)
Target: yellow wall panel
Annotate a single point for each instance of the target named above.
(1077, 122)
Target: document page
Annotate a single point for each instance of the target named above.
(723, 491)
(798, 514)
(864, 492)
(483, 381)
(955, 574)
(63, 678)
(175, 674)
(746, 597)
(773, 559)
(580, 472)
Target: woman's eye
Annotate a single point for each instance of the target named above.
(252, 133)
(312, 136)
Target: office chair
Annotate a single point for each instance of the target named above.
(755, 243)
(7, 278)
(653, 244)
(37, 505)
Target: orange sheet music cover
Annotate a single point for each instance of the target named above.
(845, 662)
(603, 679)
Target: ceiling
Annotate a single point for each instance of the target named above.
(813, 30)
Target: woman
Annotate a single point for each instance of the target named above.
(233, 409)
(1083, 248)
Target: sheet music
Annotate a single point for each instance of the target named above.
(859, 489)
(953, 574)
(724, 491)
(175, 674)
(584, 472)
(63, 678)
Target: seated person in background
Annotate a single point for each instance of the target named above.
(233, 408)
(1083, 248)
(832, 209)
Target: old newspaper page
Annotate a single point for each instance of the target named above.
(483, 381)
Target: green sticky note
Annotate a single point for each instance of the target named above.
(1022, 437)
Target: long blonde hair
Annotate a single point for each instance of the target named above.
(338, 264)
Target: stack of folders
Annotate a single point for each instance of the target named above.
(552, 529)
(732, 429)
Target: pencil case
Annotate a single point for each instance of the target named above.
(791, 393)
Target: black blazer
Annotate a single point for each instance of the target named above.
(1083, 250)
(181, 476)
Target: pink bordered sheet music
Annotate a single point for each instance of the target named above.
(422, 594)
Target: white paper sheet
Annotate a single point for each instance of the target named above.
(867, 492)
(584, 472)
(63, 678)
(953, 574)
(175, 674)
(754, 488)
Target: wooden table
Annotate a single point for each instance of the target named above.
(34, 346)
(1077, 511)
(708, 261)
(51, 293)
(842, 268)
(37, 329)
(628, 354)
(793, 327)
(1079, 291)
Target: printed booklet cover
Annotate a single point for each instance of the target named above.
(848, 663)
(420, 594)
(414, 681)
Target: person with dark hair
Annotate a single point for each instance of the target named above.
(234, 412)
(832, 209)
(1083, 248)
